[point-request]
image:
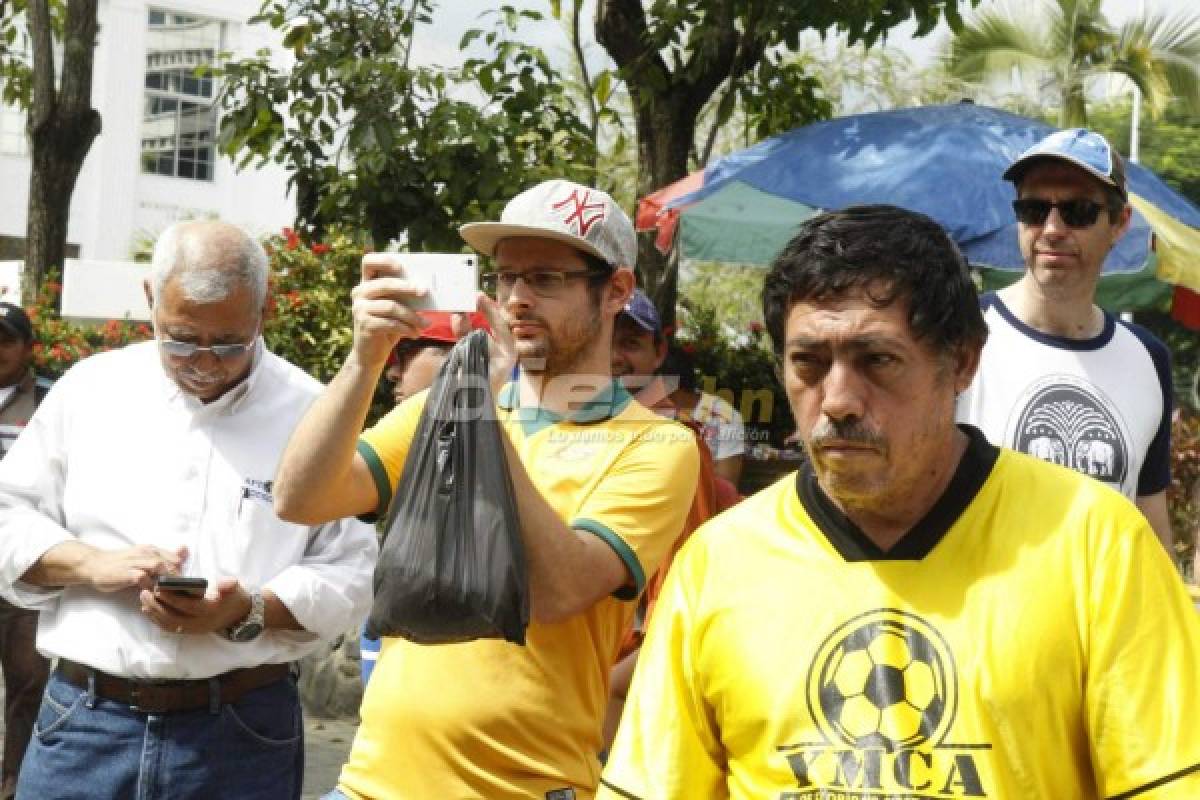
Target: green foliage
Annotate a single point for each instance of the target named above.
(16, 67)
(1183, 495)
(677, 57)
(1169, 146)
(308, 320)
(739, 365)
(375, 144)
(784, 92)
(59, 343)
(1070, 42)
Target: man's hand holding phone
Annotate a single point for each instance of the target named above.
(184, 605)
(395, 286)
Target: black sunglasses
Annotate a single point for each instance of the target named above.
(1078, 213)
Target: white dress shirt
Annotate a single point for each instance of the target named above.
(118, 456)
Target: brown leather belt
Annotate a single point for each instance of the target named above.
(160, 697)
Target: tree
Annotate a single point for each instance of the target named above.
(61, 123)
(676, 55)
(1071, 42)
(404, 152)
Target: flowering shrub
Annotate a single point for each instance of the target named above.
(308, 306)
(59, 344)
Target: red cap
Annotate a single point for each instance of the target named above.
(438, 327)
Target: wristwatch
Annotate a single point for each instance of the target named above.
(250, 626)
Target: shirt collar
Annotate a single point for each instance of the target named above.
(610, 401)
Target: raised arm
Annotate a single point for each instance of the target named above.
(321, 477)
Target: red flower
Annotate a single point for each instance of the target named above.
(291, 243)
(288, 233)
(142, 330)
(320, 248)
(53, 286)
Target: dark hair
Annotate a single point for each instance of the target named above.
(888, 252)
(679, 364)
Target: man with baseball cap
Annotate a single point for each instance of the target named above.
(1061, 378)
(602, 486)
(25, 671)
(414, 363)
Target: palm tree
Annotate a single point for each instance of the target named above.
(1072, 42)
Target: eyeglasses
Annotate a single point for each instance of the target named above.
(1078, 213)
(222, 352)
(543, 282)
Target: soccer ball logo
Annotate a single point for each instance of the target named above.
(883, 680)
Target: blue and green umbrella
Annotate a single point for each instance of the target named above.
(945, 161)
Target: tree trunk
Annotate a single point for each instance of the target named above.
(1073, 113)
(62, 126)
(667, 103)
(664, 140)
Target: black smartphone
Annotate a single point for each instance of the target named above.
(181, 584)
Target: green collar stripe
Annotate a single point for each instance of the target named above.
(623, 552)
(608, 403)
(382, 485)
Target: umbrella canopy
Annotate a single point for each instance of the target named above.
(945, 161)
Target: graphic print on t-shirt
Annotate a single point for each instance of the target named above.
(1066, 421)
(883, 691)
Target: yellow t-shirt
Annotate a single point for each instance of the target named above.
(1028, 640)
(489, 719)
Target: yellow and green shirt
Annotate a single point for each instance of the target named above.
(1027, 639)
(489, 719)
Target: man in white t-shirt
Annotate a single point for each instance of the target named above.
(1061, 378)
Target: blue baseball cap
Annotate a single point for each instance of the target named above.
(1086, 149)
(641, 310)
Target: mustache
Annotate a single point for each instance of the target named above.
(851, 431)
(199, 377)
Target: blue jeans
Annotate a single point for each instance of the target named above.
(88, 748)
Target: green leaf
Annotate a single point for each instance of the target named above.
(603, 87)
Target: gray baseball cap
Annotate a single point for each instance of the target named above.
(580, 216)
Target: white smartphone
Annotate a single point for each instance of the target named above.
(451, 278)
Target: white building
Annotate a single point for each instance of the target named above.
(155, 160)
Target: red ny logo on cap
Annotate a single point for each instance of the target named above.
(581, 212)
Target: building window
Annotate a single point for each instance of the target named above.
(179, 123)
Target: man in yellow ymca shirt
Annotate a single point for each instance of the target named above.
(602, 486)
(915, 613)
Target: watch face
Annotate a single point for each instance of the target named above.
(246, 631)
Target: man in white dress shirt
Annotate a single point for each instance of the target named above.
(154, 460)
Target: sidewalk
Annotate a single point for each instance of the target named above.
(326, 744)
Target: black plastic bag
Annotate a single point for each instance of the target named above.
(452, 566)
